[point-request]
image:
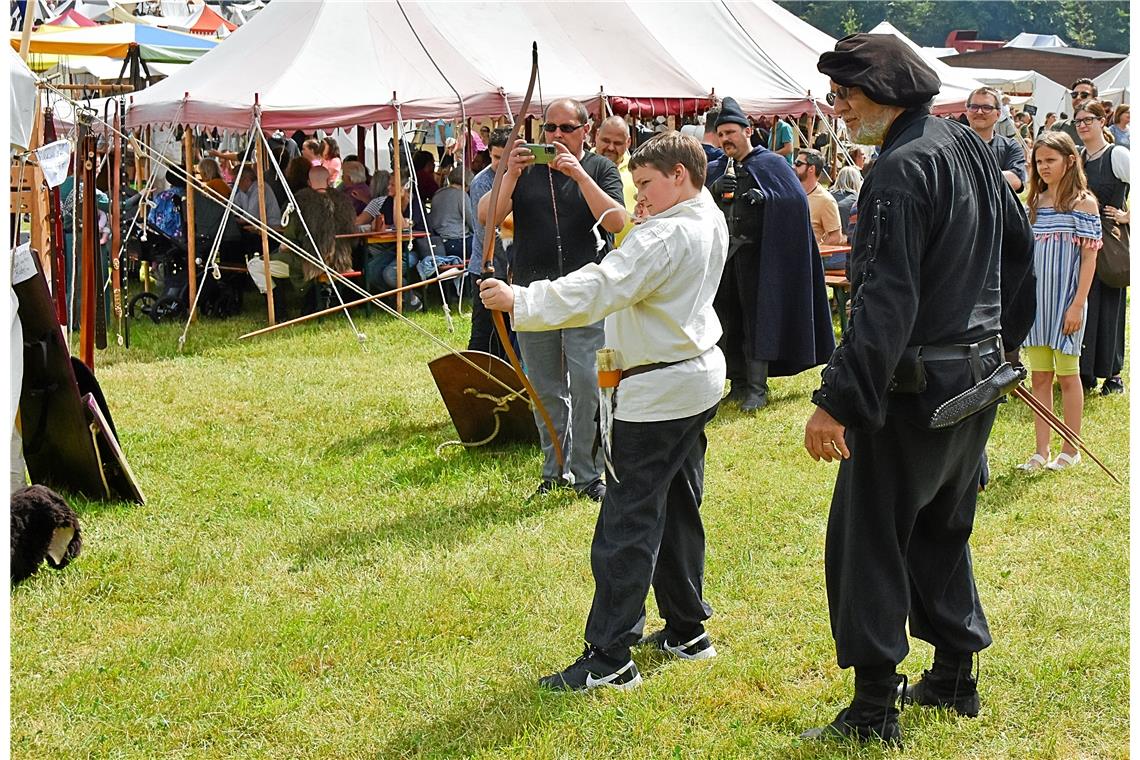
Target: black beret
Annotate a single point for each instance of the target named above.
(885, 68)
(730, 113)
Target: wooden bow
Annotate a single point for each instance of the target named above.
(489, 267)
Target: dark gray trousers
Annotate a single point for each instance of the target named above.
(649, 532)
(898, 541)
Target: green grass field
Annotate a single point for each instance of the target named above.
(310, 580)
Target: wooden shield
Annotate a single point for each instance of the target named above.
(474, 400)
(68, 441)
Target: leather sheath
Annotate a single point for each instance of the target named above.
(989, 391)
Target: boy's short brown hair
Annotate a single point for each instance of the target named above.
(666, 150)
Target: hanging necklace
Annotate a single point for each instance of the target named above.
(1095, 156)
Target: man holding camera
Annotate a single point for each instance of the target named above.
(557, 207)
(772, 302)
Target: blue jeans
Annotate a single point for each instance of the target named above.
(562, 366)
(380, 269)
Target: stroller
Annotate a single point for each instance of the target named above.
(219, 298)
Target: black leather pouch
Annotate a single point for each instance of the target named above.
(910, 373)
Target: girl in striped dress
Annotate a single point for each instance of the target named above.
(1067, 235)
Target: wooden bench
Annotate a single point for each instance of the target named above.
(836, 279)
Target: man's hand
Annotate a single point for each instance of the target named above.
(519, 159)
(823, 437)
(566, 163)
(725, 183)
(1074, 316)
(497, 295)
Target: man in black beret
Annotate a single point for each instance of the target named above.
(941, 274)
(772, 300)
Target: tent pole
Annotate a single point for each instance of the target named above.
(376, 147)
(191, 265)
(260, 138)
(360, 143)
(26, 34)
(398, 211)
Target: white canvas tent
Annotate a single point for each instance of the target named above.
(340, 64)
(1115, 84)
(1029, 40)
(574, 47)
(753, 50)
(321, 65)
(22, 95)
(956, 83)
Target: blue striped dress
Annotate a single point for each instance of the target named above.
(1057, 239)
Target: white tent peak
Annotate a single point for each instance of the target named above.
(1030, 40)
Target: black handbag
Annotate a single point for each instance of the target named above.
(1112, 263)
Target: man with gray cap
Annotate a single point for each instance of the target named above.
(772, 301)
(941, 273)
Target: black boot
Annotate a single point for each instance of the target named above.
(756, 391)
(871, 716)
(950, 682)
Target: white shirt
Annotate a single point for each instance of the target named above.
(656, 294)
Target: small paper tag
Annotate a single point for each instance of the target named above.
(54, 158)
(23, 265)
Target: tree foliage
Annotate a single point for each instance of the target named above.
(1099, 25)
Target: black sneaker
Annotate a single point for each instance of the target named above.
(591, 671)
(547, 486)
(595, 491)
(1112, 385)
(699, 648)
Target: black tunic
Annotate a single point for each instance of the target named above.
(942, 256)
(936, 223)
(1102, 354)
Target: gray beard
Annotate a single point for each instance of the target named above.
(872, 132)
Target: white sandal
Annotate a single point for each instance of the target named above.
(1034, 463)
(1065, 461)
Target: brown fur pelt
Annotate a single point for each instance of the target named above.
(43, 527)
(327, 214)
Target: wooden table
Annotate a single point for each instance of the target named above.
(386, 235)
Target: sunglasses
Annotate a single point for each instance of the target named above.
(839, 93)
(1086, 121)
(799, 163)
(563, 128)
(981, 108)
(1079, 95)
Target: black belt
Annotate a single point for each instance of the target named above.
(961, 350)
(643, 368)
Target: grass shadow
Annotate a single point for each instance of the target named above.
(442, 525)
(394, 431)
(522, 708)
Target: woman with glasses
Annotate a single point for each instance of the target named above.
(1107, 168)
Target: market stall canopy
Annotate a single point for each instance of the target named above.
(327, 64)
(22, 89)
(957, 84)
(115, 40)
(206, 21)
(72, 18)
(102, 69)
